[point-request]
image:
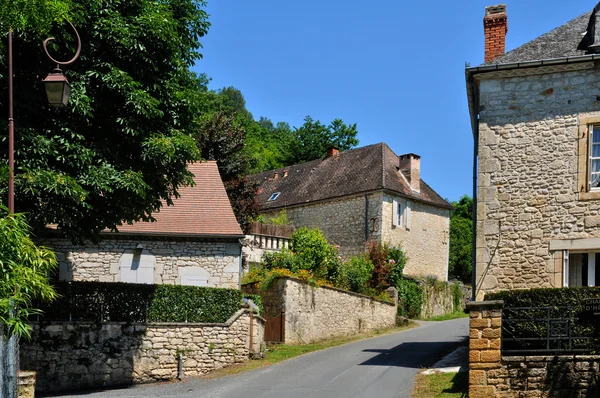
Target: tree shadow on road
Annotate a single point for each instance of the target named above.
(413, 354)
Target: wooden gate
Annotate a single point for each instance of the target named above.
(275, 328)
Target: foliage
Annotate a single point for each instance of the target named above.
(283, 259)
(311, 140)
(129, 302)
(441, 385)
(257, 300)
(265, 277)
(410, 298)
(280, 219)
(313, 253)
(388, 261)
(36, 16)
(457, 297)
(222, 138)
(461, 240)
(523, 317)
(356, 274)
(131, 86)
(24, 269)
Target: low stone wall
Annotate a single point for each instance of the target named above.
(317, 313)
(439, 299)
(492, 375)
(69, 355)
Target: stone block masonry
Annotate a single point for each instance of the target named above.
(68, 356)
(317, 313)
(216, 261)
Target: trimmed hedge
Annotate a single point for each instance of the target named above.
(531, 323)
(131, 302)
(256, 299)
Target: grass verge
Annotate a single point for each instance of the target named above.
(281, 352)
(447, 317)
(446, 385)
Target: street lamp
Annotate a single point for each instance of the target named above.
(58, 90)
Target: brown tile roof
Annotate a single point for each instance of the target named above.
(365, 169)
(201, 210)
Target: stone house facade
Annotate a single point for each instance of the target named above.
(197, 241)
(361, 195)
(536, 123)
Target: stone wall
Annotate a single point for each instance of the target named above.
(344, 224)
(313, 313)
(218, 262)
(530, 165)
(494, 376)
(86, 355)
(341, 220)
(426, 241)
(438, 298)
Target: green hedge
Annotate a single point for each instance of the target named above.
(410, 298)
(256, 299)
(130, 302)
(531, 323)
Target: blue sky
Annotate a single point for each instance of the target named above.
(396, 68)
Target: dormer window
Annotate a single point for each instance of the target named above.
(273, 196)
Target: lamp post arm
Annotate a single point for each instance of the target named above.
(48, 40)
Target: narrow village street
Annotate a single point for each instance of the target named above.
(380, 367)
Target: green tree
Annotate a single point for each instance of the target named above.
(123, 143)
(24, 269)
(311, 140)
(222, 138)
(461, 240)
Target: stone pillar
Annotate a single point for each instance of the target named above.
(485, 328)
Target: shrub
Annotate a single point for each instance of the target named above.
(356, 274)
(280, 219)
(410, 298)
(282, 259)
(257, 300)
(388, 262)
(24, 269)
(457, 297)
(313, 253)
(130, 302)
(523, 317)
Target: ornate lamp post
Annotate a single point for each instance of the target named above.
(58, 90)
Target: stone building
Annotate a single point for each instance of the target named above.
(197, 241)
(535, 115)
(365, 194)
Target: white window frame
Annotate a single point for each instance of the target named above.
(591, 158)
(273, 196)
(591, 266)
(401, 213)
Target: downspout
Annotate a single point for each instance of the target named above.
(241, 241)
(474, 208)
(366, 219)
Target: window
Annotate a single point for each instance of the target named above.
(594, 161)
(579, 269)
(137, 267)
(401, 213)
(273, 196)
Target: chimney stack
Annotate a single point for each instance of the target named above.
(495, 26)
(332, 150)
(276, 176)
(410, 166)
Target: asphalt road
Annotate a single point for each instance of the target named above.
(379, 367)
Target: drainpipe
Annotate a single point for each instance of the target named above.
(474, 209)
(241, 242)
(180, 366)
(366, 218)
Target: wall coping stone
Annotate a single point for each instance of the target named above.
(485, 305)
(550, 358)
(227, 323)
(337, 289)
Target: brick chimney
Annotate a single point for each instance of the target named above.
(410, 166)
(332, 150)
(495, 26)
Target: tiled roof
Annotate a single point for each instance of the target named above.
(561, 42)
(201, 210)
(365, 169)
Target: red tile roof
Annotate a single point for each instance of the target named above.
(201, 210)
